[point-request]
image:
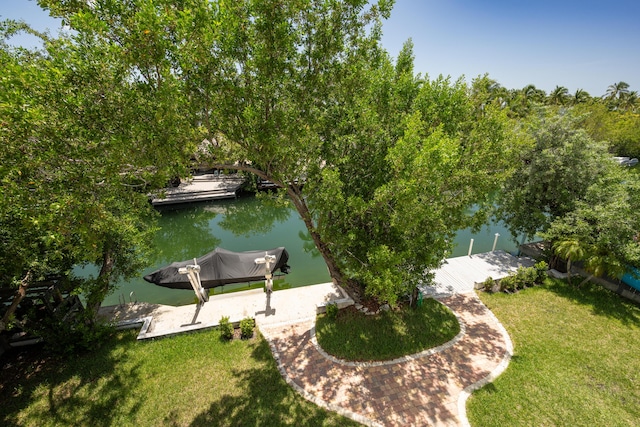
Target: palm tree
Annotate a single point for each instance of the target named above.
(570, 249)
(532, 93)
(616, 91)
(629, 102)
(559, 95)
(580, 96)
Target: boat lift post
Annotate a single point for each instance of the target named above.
(193, 273)
(268, 277)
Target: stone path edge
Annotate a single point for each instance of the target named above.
(462, 397)
(502, 366)
(402, 359)
(314, 399)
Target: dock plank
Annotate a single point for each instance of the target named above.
(460, 274)
(201, 188)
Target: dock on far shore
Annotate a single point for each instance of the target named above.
(201, 188)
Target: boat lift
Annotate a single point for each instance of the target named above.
(268, 277)
(193, 273)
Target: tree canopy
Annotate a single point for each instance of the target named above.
(552, 174)
(381, 164)
(81, 144)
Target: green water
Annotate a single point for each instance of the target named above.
(238, 225)
(244, 224)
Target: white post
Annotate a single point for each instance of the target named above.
(495, 241)
(193, 274)
(470, 247)
(268, 277)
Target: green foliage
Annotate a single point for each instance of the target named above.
(552, 175)
(524, 277)
(68, 335)
(332, 311)
(602, 231)
(82, 144)
(226, 328)
(246, 327)
(541, 268)
(621, 129)
(508, 284)
(488, 284)
(392, 162)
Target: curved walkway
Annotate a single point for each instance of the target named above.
(429, 388)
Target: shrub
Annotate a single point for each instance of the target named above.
(246, 327)
(68, 329)
(332, 310)
(541, 268)
(508, 284)
(226, 328)
(526, 276)
(488, 283)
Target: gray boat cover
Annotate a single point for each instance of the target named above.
(221, 267)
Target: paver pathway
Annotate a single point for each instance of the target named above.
(426, 389)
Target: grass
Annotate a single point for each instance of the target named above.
(389, 335)
(576, 360)
(191, 379)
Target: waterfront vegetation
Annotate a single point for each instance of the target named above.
(197, 379)
(393, 161)
(575, 359)
(353, 335)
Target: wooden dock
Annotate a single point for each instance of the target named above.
(461, 274)
(201, 188)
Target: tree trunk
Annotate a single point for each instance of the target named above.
(323, 248)
(591, 276)
(21, 292)
(298, 201)
(96, 296)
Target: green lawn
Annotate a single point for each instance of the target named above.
(576, 362)
(188, 380)
(389, 335)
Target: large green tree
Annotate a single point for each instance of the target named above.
(552, 174)
(381, 165)
(81, 143)
(603, 230)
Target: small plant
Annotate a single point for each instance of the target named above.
(541, 268)
(508, 284)
(226, 328)
(488, 283)
(246, 327)
(332, 310)
(525, 277)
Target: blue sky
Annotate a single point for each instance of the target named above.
(585, 44)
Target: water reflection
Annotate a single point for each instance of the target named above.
(183, 234)
(248, 223)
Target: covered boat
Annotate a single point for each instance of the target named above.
(221, 267)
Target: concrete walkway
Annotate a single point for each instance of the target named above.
(281, 307)
(460, 274)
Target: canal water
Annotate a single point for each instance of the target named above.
(249, 223)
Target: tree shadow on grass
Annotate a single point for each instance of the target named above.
(84, 389)
(601, 301)
(267, 400)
